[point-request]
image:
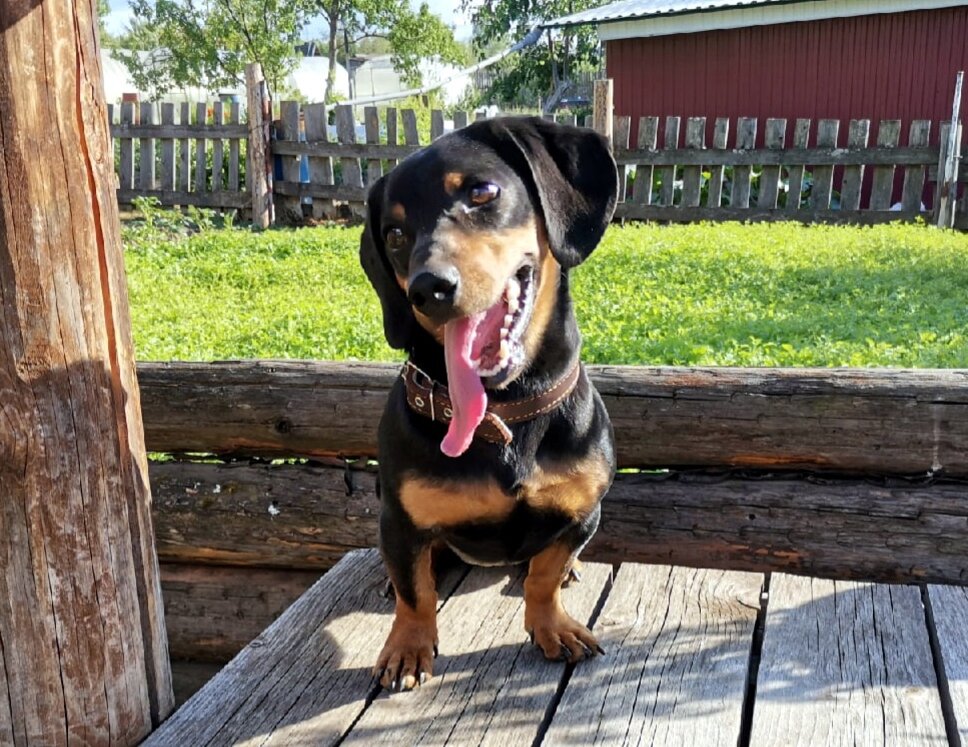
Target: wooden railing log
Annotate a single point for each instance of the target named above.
(306, 517)
(839, 420)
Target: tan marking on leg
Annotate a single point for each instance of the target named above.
(408, 654)
(553, 630)
(443, 503)
(573, 488)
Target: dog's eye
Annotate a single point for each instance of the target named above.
(483, 193)
(396, 239)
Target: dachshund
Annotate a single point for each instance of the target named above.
(493, 443)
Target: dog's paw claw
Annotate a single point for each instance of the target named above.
(406, 661)
(573, 577)
(561, 638)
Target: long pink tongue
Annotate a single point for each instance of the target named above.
(467, 397)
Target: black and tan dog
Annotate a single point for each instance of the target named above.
(494, 442)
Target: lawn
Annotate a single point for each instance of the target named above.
(729, 294)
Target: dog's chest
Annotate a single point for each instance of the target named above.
(569, 489)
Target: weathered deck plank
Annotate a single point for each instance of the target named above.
(950, 607)
(313, 665)
(846, 663)
(678, 645)
(497, 688)
(841, 663)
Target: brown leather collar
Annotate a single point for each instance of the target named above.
(431, 399)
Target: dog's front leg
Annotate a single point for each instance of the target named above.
(553, 630)
(406, 660)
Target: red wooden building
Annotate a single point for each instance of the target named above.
(837, 59)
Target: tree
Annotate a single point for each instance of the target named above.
(207, 43)
(183, 43)
(412, 35)
(541, 70)
(103, 10)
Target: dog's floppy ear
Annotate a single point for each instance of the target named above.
(575, 180)
(398, 317)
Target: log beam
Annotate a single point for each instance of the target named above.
(306, 518)
(846, 420)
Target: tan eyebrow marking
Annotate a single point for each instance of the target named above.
(453, 180)
(397, 212)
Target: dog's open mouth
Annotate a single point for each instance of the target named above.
(496, 347)
(485, 346)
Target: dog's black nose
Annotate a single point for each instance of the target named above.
(434, 292)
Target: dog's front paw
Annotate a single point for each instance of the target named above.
(407, 658)
(559, 636)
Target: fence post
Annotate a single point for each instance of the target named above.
(258, 160)
(602, 106)
(948, 179)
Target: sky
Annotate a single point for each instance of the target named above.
(120, 14)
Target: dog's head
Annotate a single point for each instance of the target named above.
(467, 238)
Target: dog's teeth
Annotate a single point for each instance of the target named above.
(508, 320)
(504, 332)
(505, 351)
(513, 290)
(513, 304)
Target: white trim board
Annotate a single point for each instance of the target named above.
(690, 23)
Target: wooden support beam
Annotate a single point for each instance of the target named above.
(83, 654)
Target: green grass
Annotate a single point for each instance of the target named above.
(729, 294)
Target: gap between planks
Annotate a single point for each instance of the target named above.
(846, 663)
(946, 610)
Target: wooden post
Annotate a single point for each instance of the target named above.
(602, 106)
(83, 652)
(948, 177)
(258, 156)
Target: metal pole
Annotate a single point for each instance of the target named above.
(948, 186)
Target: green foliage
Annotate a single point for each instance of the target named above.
(208, 44)
(533, 73)
(157, 225)
(103, 9)
(726, 294)
(412, 34)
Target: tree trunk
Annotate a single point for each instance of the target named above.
(83, 654)
(333, 17)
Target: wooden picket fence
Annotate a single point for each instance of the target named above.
(674, 170)
(192, 154)
(682, 180)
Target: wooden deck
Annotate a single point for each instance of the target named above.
(694, 657)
